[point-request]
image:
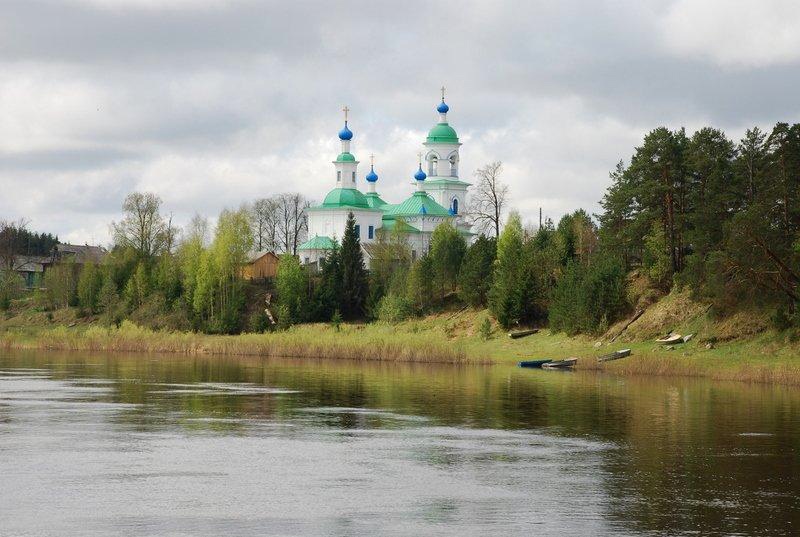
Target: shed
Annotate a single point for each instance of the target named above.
(261, 266)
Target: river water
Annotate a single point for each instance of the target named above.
(100, 444)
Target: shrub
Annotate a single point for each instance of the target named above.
(393, 308)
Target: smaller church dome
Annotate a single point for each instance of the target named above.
(345, 133)
(420, 175)
(372, 176)
(443, 108)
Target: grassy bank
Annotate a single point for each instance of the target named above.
(449, 337)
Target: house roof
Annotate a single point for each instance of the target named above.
(82, 253)
(31, 263)
(317, 243)
(258, 255)
(400, 225)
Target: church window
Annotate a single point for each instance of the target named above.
(433, 165)
(453, 165)
(455, 205)
(371, 232)
(358, 231)
(354, 177)
(338, 177)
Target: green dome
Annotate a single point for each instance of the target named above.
(442, 132)
(345, 197)
(346, 157)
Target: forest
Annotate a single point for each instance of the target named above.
(703, 212)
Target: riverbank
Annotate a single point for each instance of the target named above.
(448, 337)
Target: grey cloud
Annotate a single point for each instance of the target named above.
(211, 105)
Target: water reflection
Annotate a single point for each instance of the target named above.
(93, 444)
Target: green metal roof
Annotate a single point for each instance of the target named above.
(317, 243)
(400, 225)
(345, 197)
(442, 132)
(345, 157)
(374, 200)
(418, 203)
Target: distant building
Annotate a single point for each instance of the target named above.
(32, 268)
(262, 266)
(79, 254)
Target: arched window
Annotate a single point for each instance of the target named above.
(453, 165)
(433, 165)
(338, 177)
(455, 206)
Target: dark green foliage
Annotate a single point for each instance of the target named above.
(475, 275)
(16, 240)
(588, 298)
(355, 285)
(520, 272)
(327, 297)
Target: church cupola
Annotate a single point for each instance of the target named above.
(346, 162)
(419, 177)
(371, 177)
(441, 146)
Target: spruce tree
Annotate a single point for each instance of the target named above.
(355, 284)
(447, 252)
(328, 294)
(475, 275)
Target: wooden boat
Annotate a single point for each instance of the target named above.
(671, 339)
(561, 364)
(535, 364)
(522, 333)
(616, 355)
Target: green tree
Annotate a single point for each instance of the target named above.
(355, 284)
(420, 285)
(89, 284)
(292, 286)
(447, 253)
(506, 295)
(475, 274)
(328, 294)
(588, 298)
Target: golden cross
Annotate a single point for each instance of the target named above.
(372, 159)
(345, 110)
(420, 157)
(442, 93)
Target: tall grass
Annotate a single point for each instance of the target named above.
(309, 341)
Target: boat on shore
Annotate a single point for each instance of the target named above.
(569, 363)
(522, 333)
(534, 364)
(616, 355)
(671, 339)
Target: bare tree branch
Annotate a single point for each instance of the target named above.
(488, 200)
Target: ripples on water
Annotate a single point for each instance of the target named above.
(121, 445)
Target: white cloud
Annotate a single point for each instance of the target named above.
(738, 34)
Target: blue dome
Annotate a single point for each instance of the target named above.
(442, 108)
(420, 175)
(345, 133)
(372, 176)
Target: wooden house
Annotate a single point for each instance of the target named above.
(262, 266)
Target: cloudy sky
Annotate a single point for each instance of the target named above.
(214, 103)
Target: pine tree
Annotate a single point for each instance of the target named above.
(355, 285)
(506, 293)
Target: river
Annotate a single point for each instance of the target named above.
(98, 444)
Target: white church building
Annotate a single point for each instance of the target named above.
(440, 196)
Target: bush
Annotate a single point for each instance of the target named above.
(393, 308)
(485, 329)
(11, 286)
